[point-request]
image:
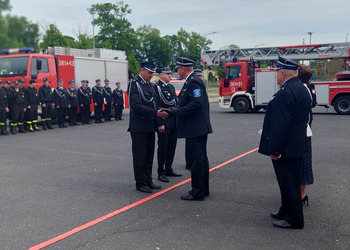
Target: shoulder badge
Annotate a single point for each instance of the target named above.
(197, 93)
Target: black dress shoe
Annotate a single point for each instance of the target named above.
(189, 197)
(163, 178)
(154, 186)
(277, 216)
(172, 173)
(285, 224)
(144, 189)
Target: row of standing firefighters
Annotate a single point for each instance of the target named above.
(20, 105)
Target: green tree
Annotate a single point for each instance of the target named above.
(157, 48)
(54, 37)
(134, 65)
(176, 49)
(18, 32)
(4, 6)
(84, 42)
(115, 31)
(192, 44)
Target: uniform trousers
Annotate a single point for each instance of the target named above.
(31, 115)
(107, 112)
(46, 112)
(98, 112)
(17, 115)
(118, 111)
(287, 172)
(72, 113)
(199, 165)
(142, 155)
(187, 153)
(166, 150)
(62, 113)
(2, 116)
(85, 113)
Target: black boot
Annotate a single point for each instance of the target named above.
(22, 130)
(3, 130)
(49, 125)
(44, 125)
(13, 129)
(30, 128)
(35, 127)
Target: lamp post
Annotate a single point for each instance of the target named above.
(310, 34)
(93, 30)
(346, 38)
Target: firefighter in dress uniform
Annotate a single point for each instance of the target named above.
(283, 139)
(74, 103)
(118, 101)
(167, 131)
(4, 109)
(199, 73)
(142, 126)
(33, 103)
(84, 102)
(194, 125)
(90, 94)
(46, 100)
(107, 91)
(17, 104)
(61, 100)
(98, 99)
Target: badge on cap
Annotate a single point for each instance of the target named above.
(197, 93)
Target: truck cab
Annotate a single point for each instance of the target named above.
(236, 86)
(28, 66)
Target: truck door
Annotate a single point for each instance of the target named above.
(233, 80)
(39, 68)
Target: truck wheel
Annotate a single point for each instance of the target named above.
(342, 105)
(241, 105)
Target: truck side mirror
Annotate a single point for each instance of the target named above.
(38, 65)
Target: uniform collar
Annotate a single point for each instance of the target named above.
(188, 76)
(142, 79)
(166, 84)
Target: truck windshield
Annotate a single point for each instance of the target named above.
(233, 72)
(14, 66)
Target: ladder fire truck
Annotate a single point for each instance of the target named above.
(244, 86)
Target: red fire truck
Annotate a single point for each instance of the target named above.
(244, 86)
(64, 63)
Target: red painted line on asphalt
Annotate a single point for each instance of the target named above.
(128, 207)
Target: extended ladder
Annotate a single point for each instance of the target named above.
(295, 52)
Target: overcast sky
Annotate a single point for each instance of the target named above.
(246, 23)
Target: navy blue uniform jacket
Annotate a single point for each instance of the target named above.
(142, 107)
(284, 128)
(193, 109)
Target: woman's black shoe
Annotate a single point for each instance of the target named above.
(305, 200)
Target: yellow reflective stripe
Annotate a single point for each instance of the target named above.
(48, 119)
(34, 121)
(20, 123)
(43, 119)
(13, 124)
(28, 122)
(1, 123)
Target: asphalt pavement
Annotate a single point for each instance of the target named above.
(54, 181)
